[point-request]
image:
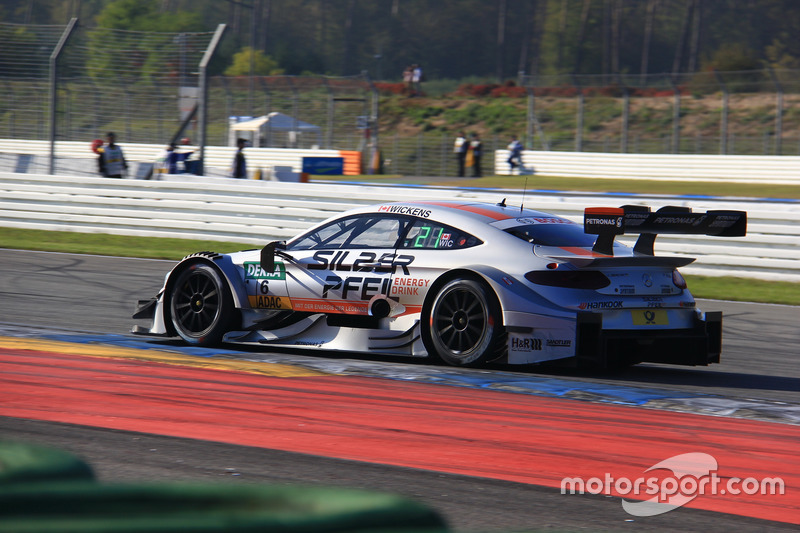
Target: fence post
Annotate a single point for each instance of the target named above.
(723, 123)
(579, 120)
(420, 148)
(778, 113)
(329, 128)
(373, 164)
(267, 109)
(626, 110)
(54, 89)
(203, 101)
(444, 152)
(676, 116)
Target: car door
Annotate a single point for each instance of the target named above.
(345, 266)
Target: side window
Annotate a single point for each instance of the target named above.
(363, 231)
(330, 236)
(378, 233)
(428, 235)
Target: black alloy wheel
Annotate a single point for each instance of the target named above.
(201, 306)
(464, 323)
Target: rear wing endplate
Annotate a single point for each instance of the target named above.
(608, 222)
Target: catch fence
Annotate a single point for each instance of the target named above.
(74, 83)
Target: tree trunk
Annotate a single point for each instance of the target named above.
(500, 56)
(687, 16)
(561, 31)
(587, 4)
(538, 24)
(648, 36)
(616, 35)
(696, 29)
(348, 37)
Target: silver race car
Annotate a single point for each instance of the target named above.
(466, 283)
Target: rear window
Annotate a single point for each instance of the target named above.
(554, 235)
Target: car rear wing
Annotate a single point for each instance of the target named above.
(608, 222)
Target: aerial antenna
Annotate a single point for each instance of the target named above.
(525, 188)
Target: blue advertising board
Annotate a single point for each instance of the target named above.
(331, 166)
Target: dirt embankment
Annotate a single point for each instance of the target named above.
(748, 115)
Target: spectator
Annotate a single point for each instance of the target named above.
(112, 162)
(408, 80)
(161, 166)
(167, 162)
(416, 79)
(460, 148)
(174, 157)
(239, 163)
(476, 146)
(515, 153)
(97, 147)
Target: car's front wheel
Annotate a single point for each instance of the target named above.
(462, 325)
(201, 306)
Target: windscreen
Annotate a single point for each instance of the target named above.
(553, 234)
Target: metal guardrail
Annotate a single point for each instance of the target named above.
(254, 212)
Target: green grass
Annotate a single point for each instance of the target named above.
(549, 183)
(744, 290)
(722, 288)
(115, 245)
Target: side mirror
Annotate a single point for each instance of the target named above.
(268, 255)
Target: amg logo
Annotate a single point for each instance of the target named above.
(526, 345)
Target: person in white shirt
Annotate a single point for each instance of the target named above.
(460, 148)
(416, 79)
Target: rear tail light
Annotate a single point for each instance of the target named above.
(571, 279)
(678, 279)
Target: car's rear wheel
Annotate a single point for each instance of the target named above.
(201, 306)
(462, 324)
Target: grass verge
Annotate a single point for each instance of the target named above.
(721, 288)
(555, 183)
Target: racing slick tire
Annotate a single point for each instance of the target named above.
(200, 305)
(462, 324)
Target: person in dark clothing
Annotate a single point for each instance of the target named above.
(460, 148)
(239, 163)
(477, 152)
(112, 162)
(514, 154)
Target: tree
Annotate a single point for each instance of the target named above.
(263, 65)
(119, 27)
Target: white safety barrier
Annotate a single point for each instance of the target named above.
(76, 158)
(255, 212)
(689, 167)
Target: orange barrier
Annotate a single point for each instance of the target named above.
(352, 162)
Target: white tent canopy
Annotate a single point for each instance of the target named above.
(261, 131)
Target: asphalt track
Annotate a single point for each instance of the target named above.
(483, 458)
